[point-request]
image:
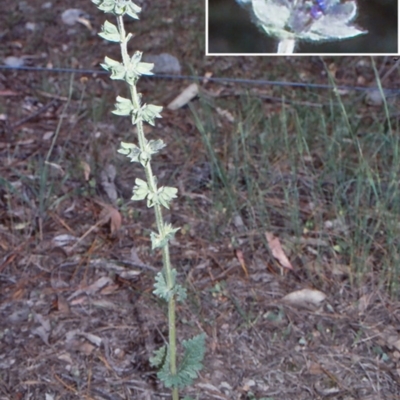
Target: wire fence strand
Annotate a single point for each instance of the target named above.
(259, 82)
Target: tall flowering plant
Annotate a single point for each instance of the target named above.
(312, 20)
(130, 69)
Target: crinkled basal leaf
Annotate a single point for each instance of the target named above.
(118, 7)
(161, 287)
(159, 357)
(162, 291)
(306, 19)
(110, 32)
(140, 190)
(158, 241)
(123, 106)
(181, 293)
(190, 365)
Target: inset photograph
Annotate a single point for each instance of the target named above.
(266, 27)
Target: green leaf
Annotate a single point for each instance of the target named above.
(117, 69)
(153, 147)
(180, 292)
(144, 158)
(118, 7)
(156, 145)
(110, 32)
(123, 106)
(146, 113)
(141, 190)
(109, 62)
(133, 10)
(130, 150)
(104, 5)
(190, 365)
(166, 194)
(131, 72)
(163, 196)
(137, 155)
(161, 287)
(151, 112)
(127, 7)
(159, 241)
(170, 231)
(135, 68)
(159, 357)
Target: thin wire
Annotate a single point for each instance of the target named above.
(211, 79)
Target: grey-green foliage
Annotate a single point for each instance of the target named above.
(130, 69)
(162, 290)
(188, 367)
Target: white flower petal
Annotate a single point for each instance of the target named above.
(269, 13)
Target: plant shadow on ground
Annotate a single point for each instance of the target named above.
(317, 169)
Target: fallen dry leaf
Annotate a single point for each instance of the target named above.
(277, 251)
(364, 302)
(107, 182)
(112, 215)
(315, 369)
(74, 15)
(94, 339)
(305, 298)
(108, 214)
(110, 289)
(62, 304)
(226, 114)
(86, 170)
(240, 257)
(8, 92)
(184, 97)
(206, 77)
(85, 348)
(93, 288)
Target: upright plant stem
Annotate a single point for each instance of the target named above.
(158, 214)
(286, 46)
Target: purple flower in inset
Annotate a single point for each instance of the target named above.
(311, 20)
